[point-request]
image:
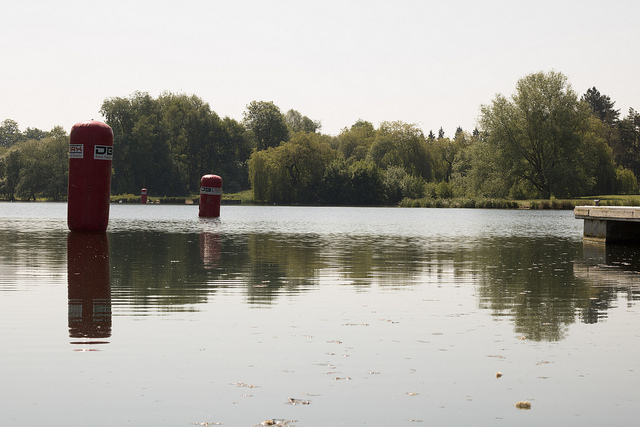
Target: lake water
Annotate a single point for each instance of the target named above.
(315, 317)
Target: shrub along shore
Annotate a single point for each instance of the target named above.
(246, 198)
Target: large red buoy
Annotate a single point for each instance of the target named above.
(143, 196)
(210, 195)
(90, 154)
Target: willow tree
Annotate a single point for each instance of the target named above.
(293, 171)
(537, 136)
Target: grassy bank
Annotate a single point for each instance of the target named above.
(553, 203)
(246, 198)
(243, 197)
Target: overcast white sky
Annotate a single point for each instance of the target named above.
(432, 63)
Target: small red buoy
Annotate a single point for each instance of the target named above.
(90, 154)
(143, 196)
(210, 195)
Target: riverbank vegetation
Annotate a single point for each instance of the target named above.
(543, 142)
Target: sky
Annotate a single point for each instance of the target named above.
(428, 63)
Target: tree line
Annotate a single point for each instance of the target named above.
(33, 163)
(542, 141)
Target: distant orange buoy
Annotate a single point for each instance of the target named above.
(210, 195)
(90, 154)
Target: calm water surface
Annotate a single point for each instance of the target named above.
(315, 317)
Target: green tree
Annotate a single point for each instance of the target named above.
(402, 144)
(477, 172)
(34, 133)
(296, 122)
(3, 167)
(43, 168)
(627, 149)
(336, 187)
(10, 133)
(195, 137)
(37, 167)
(537, 135)
(232, 156)
(167, 144)
(11, 165)
(604, 166)
(361, 183)
(601, 105)
(354, 143)
(56, 164)
(32, 173)
(626, 182)
(398, 184)
(366, 180)
(266, 123)
(445, 152)
(133, 121)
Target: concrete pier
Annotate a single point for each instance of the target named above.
(610, 224)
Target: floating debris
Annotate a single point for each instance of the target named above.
(244, 385)
(293, 401)
(498, 374)
(276, 422)
(342, 378)
(411, 393)
(523, 405)
(212, 423)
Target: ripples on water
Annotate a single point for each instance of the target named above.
(369, 316)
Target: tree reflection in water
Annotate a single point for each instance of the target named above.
(540, 283)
